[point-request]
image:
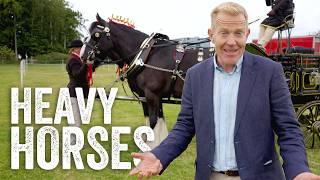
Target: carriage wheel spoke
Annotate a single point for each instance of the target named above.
(305, 119)
(314, 119)
(309, 119)
(312, 115)
(317, 112)
(303, 126)
(304, 129)
(308, 139)
(312, 145)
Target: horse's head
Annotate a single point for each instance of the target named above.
(97, 46)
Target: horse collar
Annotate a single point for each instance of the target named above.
(142, 55)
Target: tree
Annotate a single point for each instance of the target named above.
(40, 26)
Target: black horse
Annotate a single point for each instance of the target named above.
(156, 66)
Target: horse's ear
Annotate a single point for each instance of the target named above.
(100, 20)
(98, 17)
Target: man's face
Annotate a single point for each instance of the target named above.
(229, 35)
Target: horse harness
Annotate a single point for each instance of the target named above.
(141, 56)
(140, 60)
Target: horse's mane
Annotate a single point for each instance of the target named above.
(126, 28)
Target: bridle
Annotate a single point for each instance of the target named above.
(105, 32)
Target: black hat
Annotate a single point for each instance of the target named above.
(75, 44)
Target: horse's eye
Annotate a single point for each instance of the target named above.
(97, 35)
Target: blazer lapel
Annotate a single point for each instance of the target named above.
(206, 91)
(207, 78)
(247, 80)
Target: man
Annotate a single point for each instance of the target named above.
(233, 103)
(282, 10)
(80, 75)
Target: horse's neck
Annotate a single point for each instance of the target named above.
(126, 41)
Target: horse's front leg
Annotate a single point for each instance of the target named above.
(146, 112)
(153, 106)
(156, 120)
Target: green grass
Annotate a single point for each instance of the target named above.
(124, 113)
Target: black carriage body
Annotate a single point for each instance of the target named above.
(302, 72)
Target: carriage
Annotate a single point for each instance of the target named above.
(154, 68)
(303, 74)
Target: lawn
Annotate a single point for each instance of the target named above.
(124, 113)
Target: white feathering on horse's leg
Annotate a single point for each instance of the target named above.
(160, 132)
(163, 133)
(147, 120)
(151, 144)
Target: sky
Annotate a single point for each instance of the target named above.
(183, 18)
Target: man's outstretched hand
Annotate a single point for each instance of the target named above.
(149, 165)
(307, 176)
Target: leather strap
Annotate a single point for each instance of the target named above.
(229, 173)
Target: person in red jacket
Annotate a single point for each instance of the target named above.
(80, 76)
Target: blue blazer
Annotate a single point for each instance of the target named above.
(264, 108)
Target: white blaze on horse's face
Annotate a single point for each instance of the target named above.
(83, 48)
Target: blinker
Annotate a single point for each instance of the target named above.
(106, 29)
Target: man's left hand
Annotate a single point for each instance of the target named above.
(149, 166)
(307, 176)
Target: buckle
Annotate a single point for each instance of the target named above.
(229, 173)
